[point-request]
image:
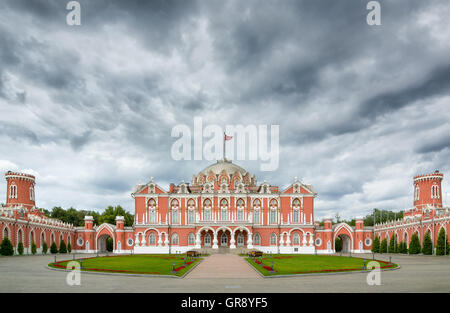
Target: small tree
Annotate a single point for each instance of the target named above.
(414, 245)
(442, 247)
(33, 248)
(69, 247)
(427, 247)
(383, 246)
(20, 248)
(392, 244)
(6, 247)
(53, 248)
(44, 248)
(376, 245)
(338, 244)
(402, 248)
(62, 247)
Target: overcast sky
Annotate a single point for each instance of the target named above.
(89, 109)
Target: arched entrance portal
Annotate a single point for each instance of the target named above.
(105, 243)
(346, 243)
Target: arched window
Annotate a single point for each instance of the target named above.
(257, 203)
(296, 203)
(417, 193)
(223, 202)
(296, 239)
(191, 203)
(32, 193)
(257, 239)
(42, 238)
(31, 238)
(19, 235)
(191, 239)
(435, 192)
(152, 211)
(240, 203)
(13, 191)
(175, 240)
(174, 203)
(273, 203)
(5, 232)
(152, 239)
(256, 216)
(207, 203)
(273, 239)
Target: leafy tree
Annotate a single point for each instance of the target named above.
(53, 248)
(376, 245)
(44, 248)
(427, 247)
(338, 244)
(109, 215)
(383, 246)
(69, 247)
(62, 247)
(33, 248)
(6, 247)
(414, 245)
(442, 247)
(20, 248)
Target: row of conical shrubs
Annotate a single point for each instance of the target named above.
(414, 245)
(6, 247)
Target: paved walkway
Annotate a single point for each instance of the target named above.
(223, 266)
(417, 274)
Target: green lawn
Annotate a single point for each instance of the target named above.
(302, 264)
(156, 264)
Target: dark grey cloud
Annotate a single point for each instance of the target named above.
(361, 109)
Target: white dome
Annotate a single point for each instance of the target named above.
(222, 165)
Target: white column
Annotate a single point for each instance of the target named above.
(304, 240)
(281, 240)
(159, 240)
(311, 241)
(250, 241)
(198, 241)
(288, 240)
(232, 241)
(137, 240)
(215, 246)
(143, 240)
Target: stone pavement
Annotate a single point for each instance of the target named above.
(417, 274)
(223, 266)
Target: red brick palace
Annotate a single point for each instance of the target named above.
(223, 208)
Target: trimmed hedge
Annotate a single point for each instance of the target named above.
(383, 246)
(414, 245)
(442, 243)
(33, 248)
(376, 245)
(427, 247)
(20, 248)
(44, 248)
(6, 247)
(62, 247)
(53, 248)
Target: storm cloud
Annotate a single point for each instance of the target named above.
(89, 109)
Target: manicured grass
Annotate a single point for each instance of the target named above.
(156, 264)
(303, 264)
